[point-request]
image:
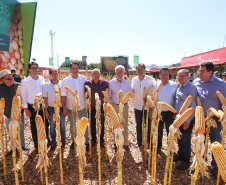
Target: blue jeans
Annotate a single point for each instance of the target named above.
(82, 113)
(21, 129)
(53, 125)
(215, 136)
(185, 143)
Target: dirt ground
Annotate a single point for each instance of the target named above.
(134, 168)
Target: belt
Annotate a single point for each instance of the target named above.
(50, 106)
(118, 104)
(30, 104)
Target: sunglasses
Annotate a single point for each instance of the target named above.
(9, 78)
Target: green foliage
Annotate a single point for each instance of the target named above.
(176, 64)
(81, 66)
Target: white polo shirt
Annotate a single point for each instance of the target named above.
(167, 93)
(48, 90)
(29, 89)
(138, 89)
(74, 84)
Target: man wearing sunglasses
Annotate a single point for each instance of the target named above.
(7, 91)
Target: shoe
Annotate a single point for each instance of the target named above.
(126, 147)
(9, 153)
(182, 166)
(25, 148)
(176, 158)
(214, 172)
(49, 143)
(137, 145)
(72, 145)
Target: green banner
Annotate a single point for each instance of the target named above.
(4, 42)
(136, 59)
(51, 61)
(28, 11)
(6, 11)
(67, 61)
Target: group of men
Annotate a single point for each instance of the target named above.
(171, 93)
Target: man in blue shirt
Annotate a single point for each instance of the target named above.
(185, 89)
(207, 85)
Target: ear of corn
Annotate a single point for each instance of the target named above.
(55, 103)
(185, 104)
(220, 158)
(150, 102)
(183, 117)
(97, 96)
(220, 112)
(18, 91)
(40, 128)
(15, 111)
(213, 112)
(145, 92)
(87, 87)
(199, 120)
(38, 95)
(120, 94)
(168, 107)
(221, 97)
(126, 97)
(159, 87)
(198, 101)
(151, 90)
(70, 91)
(113, 116)
(2, 103)
(81, 127)
(107, 90)
(56, 89)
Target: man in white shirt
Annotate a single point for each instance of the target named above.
(49, 97)
(30, 87)
(138, 84)
(115, 85)
(167, 94)
(76, 83)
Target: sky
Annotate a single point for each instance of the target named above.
(161, 32)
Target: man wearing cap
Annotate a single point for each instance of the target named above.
(7, 91)
(16, 77)
(30, 87)
(49, 97)
(224, 77)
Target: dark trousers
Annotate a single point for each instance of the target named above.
(33, 125)
(185, 142)
(139, 119)
(215, 135)
(93, 124)
(167, 118)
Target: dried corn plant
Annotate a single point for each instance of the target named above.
(199, 147)
(105, 93)
(43, 160)
(119, 139)
(2, 122)
(81, 149)
(88, 107)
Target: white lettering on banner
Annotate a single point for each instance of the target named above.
(210, 59)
